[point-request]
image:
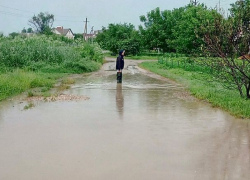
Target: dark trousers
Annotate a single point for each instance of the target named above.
(119, 77)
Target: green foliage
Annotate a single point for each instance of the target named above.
(13, 35)
(42, 23)
(79, 36)
(120, 36)
(17, 81)
(176, 30)
(228, 38)
(157, 30)
(179, 30)
(91, 51)
(29, 62)
(24, 30)
(48, 55)
(30, 30)
(185, 32)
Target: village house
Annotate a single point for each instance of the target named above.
(91, 35)
(64, 32)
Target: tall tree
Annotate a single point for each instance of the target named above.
(24, 30)
(42, 23)
(185, 39)
(120, 36)
(228, 39)
(29, 30)
(157, 29)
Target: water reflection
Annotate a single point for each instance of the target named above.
(119, 100)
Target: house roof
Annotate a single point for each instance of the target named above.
(63, 31)
(59, 29)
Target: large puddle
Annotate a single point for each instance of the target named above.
(138, 130)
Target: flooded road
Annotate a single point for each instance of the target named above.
(148, 128)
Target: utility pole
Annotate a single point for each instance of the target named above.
(85, 30)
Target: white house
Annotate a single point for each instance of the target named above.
(64, 32)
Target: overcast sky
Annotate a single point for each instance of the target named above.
(14, 14)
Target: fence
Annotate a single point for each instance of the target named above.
(186, 63)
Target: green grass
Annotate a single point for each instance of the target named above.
(18, 81)
(204, 87)
(39, 61)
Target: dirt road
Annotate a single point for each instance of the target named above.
(148, 128)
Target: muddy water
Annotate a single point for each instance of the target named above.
(141, 129)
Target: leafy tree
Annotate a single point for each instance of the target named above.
(78, 36)
(24, 30)
(120, 36)
(30, 30)
(42, 23)
(157, 30)
(132, 45)
(185, 39)
(176, 30)
(13, 34)
(228, 39)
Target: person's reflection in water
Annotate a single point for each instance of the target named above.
(119, 100)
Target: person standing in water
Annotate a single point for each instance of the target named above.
(120, 65)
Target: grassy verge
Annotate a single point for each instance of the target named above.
(30, 62)
(202, 86)
(18, 81)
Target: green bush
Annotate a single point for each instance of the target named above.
(29, 62)
(49, 54)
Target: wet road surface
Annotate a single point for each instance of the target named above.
(140, 130)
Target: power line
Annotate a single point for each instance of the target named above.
(85, 30)
(13, 14)
(67, 20)
(16, 9)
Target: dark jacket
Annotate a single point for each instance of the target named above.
(119, 63)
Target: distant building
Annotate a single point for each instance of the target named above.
(64, 32)
(91, 35)
(28, 34)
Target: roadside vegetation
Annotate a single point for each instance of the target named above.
(38, 61)
(202, 82)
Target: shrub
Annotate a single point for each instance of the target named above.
(49, 54)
